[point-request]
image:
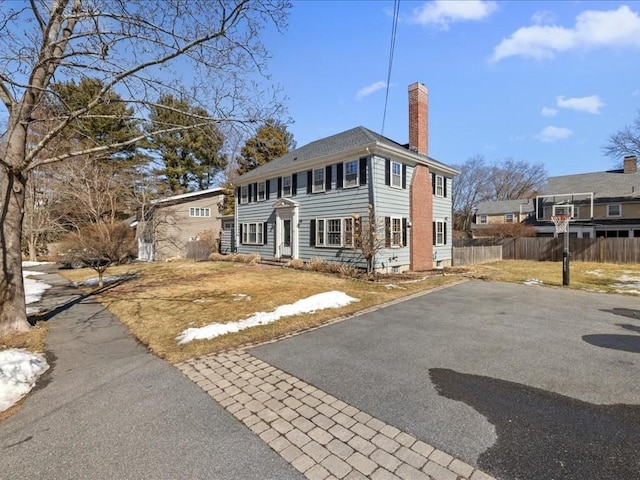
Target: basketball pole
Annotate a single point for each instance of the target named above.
(565, 259)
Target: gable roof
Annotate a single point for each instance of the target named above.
(358, 137)
(523, 205)
(610, 184)
(188, 196)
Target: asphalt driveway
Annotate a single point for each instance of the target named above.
(521, 381)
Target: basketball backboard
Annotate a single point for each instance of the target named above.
(578, 205)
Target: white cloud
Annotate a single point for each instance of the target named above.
(543, 17)
(553, 134)
(591, 104)
(612, 28)
(548, 112)
(444, 12)
(369, 89)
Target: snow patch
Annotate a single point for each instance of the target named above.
(533, 282)
(35, 264)
(627, 284)
(33, 289)
(598, 273)
(19, 371)
(311, 304)
(241, 296)
(92, 282)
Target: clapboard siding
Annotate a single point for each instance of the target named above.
(442, 212)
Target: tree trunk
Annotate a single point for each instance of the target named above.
(13, 310)
(33, 250)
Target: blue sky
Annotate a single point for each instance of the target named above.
(539, 81)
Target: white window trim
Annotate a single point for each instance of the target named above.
(264, 191)
(199, 212)
(444, 233)
(398, 176)
(322, 233)
(319, 188)
(259, 240)
(393, 232)
(440, 187)
(282, 193)
(483, 219)
(507, 215)
(619, 214)
(244, 194)
(344, 174)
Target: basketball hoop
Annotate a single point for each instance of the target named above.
(561, 222)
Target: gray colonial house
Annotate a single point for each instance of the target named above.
(311, 202)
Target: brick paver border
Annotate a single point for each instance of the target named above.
(318, 434)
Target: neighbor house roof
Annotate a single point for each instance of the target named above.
(190, 195)
(610, 184)
(505, 206)
(358, 137)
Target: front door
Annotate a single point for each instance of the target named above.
(286, 237)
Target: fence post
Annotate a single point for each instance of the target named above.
(601, 249)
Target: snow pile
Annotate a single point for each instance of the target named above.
(33, 289)
(311, 304)
(92, 282)
(627, 284)
(19, 371)
(533, 282)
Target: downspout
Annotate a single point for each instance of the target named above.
(236, 230)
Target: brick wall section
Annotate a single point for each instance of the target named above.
(421, 205)
(418, 118)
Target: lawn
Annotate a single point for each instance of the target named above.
(166, 298)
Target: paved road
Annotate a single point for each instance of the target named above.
(524, 382)
(108, 409)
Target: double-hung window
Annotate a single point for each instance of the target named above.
(439, 192)
(396, 232)
(262, 189)
(482, 219)
(351, 174)
(244, 194)
(440, 233)
(334, 232)
(286, 186)
(318, 180)
(508, 217)
(614, 210)
(252, 233)
(396, 175)
(199, 212)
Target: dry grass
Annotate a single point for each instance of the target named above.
(597, 277)
(165, 299)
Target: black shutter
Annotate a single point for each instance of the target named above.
(363, 171)
(387, 172)
(255, 192)
(404, 176)
(309, 181)
(279, 192)
(294, 184)
(266, 189)
(241, 239)
(444, 187)
(434, 233)
(404, 232)
(444, 233)
(237, 195)
(387, 232)
(312, 233)
(264, 233)
(433, 183)
(339, 175)
(327, 180)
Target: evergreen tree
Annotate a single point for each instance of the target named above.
(271, 141)
(191, 156)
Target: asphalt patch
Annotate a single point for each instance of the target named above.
(547, 436)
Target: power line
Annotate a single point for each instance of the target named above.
(394, 31)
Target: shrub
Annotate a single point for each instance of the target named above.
(235, 257)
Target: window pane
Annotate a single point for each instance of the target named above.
(334, 232)
(351, 174)
(261, 191)
(319, 232)
(396, 232)
(348, 231)
(318, 180)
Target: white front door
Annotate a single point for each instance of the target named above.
(286, 237)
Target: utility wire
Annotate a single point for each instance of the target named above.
(394, 31)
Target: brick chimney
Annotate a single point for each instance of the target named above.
(418, 118)
(630, 164)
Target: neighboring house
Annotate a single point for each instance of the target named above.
(601, 204)
(171, 227)
(312, 202)
(489, 214)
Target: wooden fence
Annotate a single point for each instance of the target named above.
(199, 249)
(474, 255)
(603, 250)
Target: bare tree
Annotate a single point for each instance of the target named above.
(503, 180)
(367, 236)
(141, 48)
(625, 142)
